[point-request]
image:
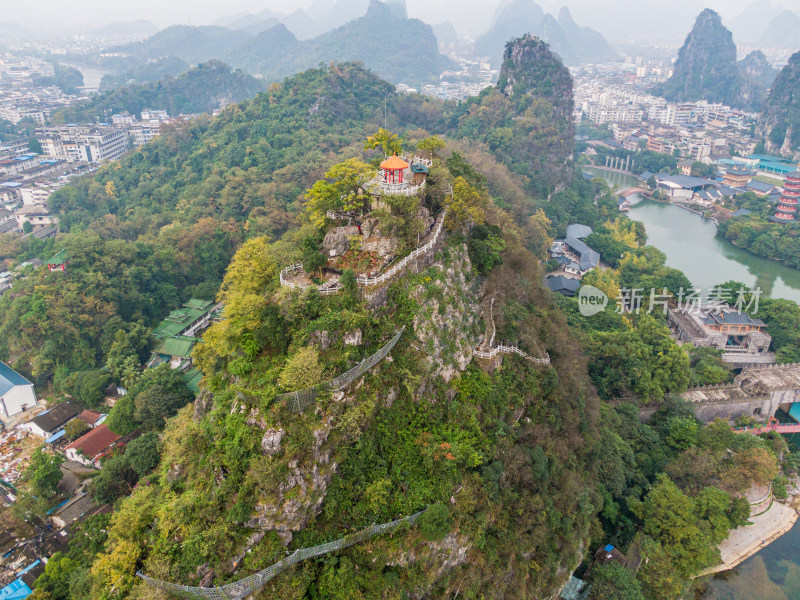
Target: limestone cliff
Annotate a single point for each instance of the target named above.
(706, 68)
(779, 123)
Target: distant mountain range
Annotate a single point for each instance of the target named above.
(573, 43)
(322, 16)
(767, 23)
(141, 27)
(397, 48)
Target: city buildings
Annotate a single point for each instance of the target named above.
(85, 143)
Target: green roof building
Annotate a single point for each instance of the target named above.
(59, 261)
(188, 320)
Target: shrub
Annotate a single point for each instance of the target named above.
(435, 522)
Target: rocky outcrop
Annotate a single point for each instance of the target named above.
(706, 69)
(757, 68)
(374, 239)
(779, 123)
(337, 242)
(447, 324)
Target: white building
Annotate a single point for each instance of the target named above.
(83, 143)
(16, 392)
(38, 216)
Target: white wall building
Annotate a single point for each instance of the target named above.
(16, 392)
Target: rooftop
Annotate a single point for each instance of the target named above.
(56, 417)
(180, 346)
(579, 231)
(730, 317)
(9, 379)
(394, 163)
(182, 318)
(94, 442)
(588, 258)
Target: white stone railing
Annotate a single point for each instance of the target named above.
(417, 160)
(364, 280)
(399, 189)
(501, 349)
(290, 284)
(395, 269)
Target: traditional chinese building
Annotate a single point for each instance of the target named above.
(738, 175)
(58, 262)
(787, 205)
(742, 338)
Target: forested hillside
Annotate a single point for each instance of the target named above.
(202, 89)
(779, 123)
(522, 467)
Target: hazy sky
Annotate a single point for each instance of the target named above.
(202, 12)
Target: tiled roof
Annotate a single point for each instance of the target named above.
(588, 258)
(9, 379)
(89, 417)
(394, 163)
(94, 442)
(579, 231)
(56, 416)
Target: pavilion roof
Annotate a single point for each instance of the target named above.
(394, 163)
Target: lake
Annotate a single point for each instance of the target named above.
(691, 245)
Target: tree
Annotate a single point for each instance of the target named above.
(614, 582)
(464, 206)
(75, 429)
(143, 453)
(342, 189)
(44, 473)
(537, 239)
(387, 141)
(302, 370)
(682, 433)
(431, 145)
(115, 479)
(121, 420)
(27, 227)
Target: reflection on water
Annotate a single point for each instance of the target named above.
(772, 574)
(691, 245)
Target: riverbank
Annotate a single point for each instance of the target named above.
(744, 542)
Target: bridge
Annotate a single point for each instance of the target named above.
(756, 392)
(779, 427)
(633, 190)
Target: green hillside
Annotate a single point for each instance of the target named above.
(202, 89)
(521, 468)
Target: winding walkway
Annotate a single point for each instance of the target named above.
(364, 280)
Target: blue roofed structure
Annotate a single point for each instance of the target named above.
(16, 392)
(16, 590)
(9, 378)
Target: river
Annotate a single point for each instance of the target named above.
(691, 245)
(91, 76)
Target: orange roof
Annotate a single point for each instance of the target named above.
(394, 163)
(95, 442)
(89, 417)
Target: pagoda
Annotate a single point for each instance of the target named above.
(393, 168)
(787, 205)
